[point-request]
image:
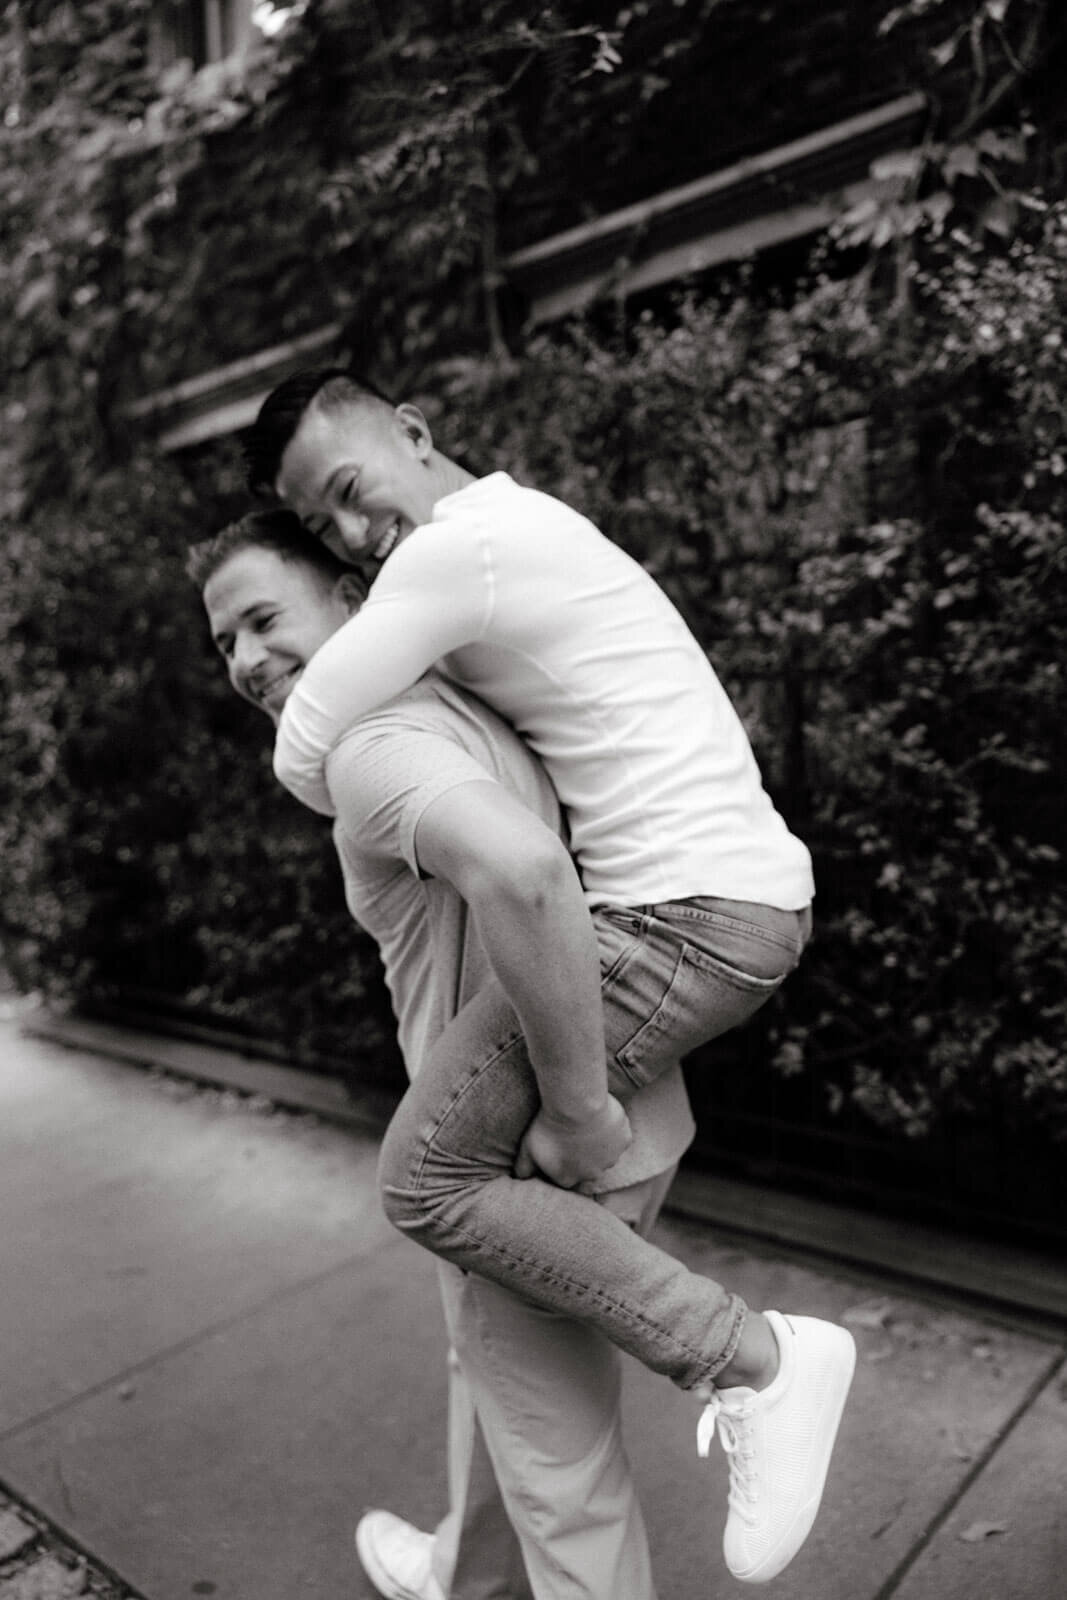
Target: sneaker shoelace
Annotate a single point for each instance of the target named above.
(732, 1424)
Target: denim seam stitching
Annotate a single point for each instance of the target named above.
(638, 1321)
(735, 925)
(704, 961)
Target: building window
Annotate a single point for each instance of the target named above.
(199, 31)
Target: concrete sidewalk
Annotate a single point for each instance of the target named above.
(214, 1354)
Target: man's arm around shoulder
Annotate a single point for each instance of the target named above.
(528, 907)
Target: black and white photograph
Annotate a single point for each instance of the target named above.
(533, 862)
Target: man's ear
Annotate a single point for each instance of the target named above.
(351, 590)
(416, 429)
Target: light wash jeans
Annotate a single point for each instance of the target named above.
(673, 976)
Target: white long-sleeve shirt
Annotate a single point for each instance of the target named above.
(519, 598)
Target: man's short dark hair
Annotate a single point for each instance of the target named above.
(278, 530)
(285, 408)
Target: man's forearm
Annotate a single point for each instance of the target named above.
(542, 945)
(529, 910)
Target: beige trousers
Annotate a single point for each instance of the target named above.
(542, 1501)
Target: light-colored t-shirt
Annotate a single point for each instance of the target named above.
(525, 602)
(382, 775)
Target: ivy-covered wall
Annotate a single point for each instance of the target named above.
(852, 484)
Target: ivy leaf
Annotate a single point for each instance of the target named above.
(1000, 216)
(1001, 146)
(904, 164)
(961, 162)
(36, 293)
(943, 53)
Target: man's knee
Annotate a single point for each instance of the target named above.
(401, 1193)
(424, 1187)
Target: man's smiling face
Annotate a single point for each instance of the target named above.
(359, 476)
(268, 616)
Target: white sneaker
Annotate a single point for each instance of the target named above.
(397, 1558)
(779, 1441)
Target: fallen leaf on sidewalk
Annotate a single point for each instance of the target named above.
(981, 1530)
(46, 1579)
(872, 1315)
(15, 1534)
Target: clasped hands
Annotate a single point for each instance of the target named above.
(569, 1151)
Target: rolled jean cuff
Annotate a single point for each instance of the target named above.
(734, 1315)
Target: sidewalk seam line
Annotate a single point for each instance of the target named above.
(934, 1526)
(188, 1343)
